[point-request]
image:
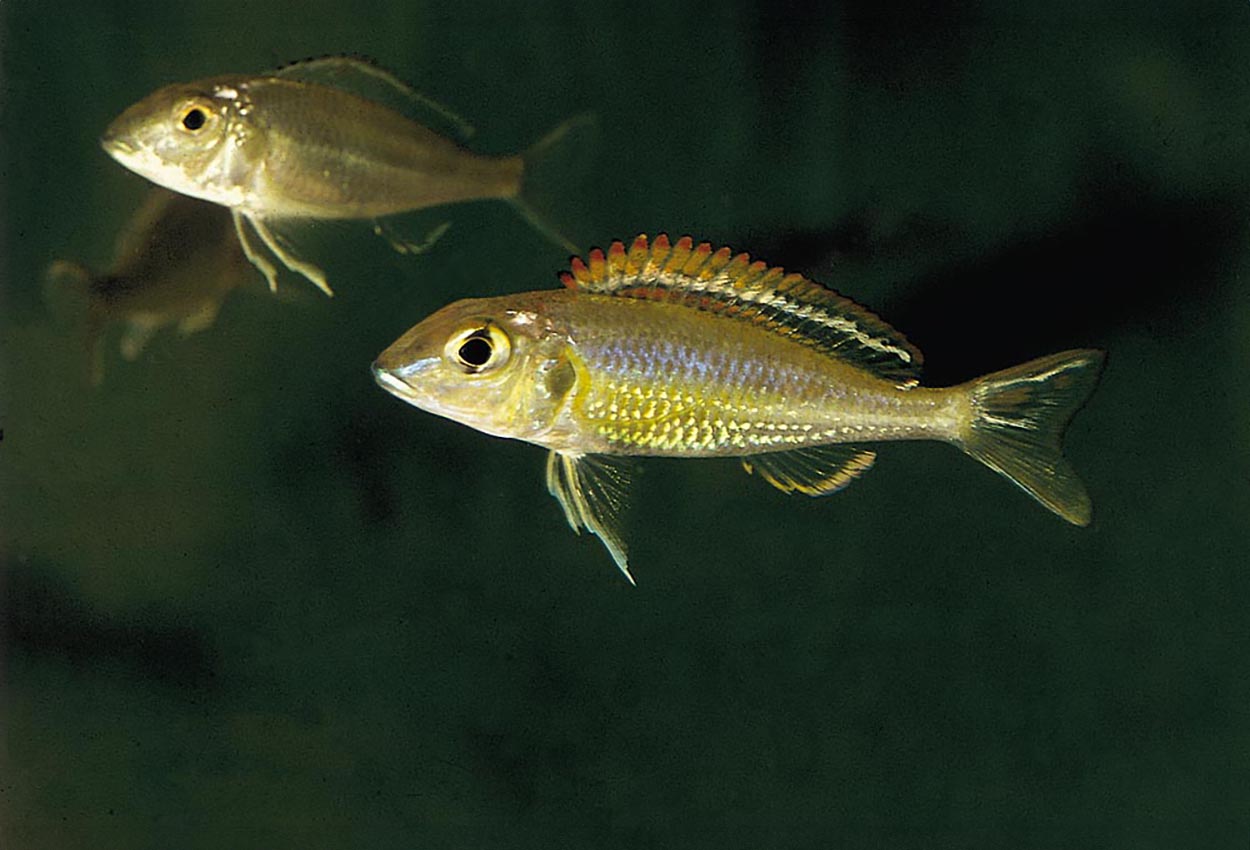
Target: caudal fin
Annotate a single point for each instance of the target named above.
(553, 169)
(67, 293)
(1018, 418)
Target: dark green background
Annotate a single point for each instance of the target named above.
(252, 600)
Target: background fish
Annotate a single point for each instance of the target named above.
(298, 144)
(674, 350)
(174, 263)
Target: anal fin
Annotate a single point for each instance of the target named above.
(592, 489)
(813, 471)
(402, 245)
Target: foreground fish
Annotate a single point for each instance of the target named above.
(300, 143)
(675, 350)
(174, 263)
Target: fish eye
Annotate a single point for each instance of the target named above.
(193, 117)
(475, 352)
(479, 348)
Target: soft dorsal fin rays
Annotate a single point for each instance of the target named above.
(363, 77)
(592, 490)
(812, 471)
(720, 282)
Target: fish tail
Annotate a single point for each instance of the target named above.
(66, 288)
(67, 293)
(551, 171)
(1017, 423)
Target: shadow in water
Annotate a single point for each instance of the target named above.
(42, 616)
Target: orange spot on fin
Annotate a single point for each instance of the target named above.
(598, 264)
(698, 258)
(580, 273)
(638, 255)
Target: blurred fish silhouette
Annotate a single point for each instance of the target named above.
(317, 140)
(677, 350)
(174, 263)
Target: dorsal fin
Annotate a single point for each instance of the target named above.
(734, 286)
(364, 77)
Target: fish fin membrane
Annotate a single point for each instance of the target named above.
(592, 491)
(363, 77)
(401, 244)
(812, 471)
(734, 286)
(1017, 425)
(555, 168)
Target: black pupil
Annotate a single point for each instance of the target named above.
(475, 352)
(194, 119)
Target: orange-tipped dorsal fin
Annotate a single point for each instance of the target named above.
(718, 281)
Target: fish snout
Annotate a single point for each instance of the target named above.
(399, 376)
(120, 137)
(387, 379)
(117, 147)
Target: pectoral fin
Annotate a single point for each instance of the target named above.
(815, 471)
(592, 489)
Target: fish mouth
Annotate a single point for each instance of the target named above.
(389, 381)
(116, 144)
(395, 380)
(118, 148)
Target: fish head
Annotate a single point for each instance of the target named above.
(193, 138)
(493, 364)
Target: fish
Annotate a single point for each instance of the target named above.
(318, 140)
(175, 261)
(671, 349)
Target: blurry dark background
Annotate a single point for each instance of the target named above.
(251, 600)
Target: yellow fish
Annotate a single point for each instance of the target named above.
(675, 350)
(299, 143)
(174, 263)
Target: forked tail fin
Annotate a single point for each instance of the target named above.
(554, 169)
(1018, 418)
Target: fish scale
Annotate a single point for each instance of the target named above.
(729, 389)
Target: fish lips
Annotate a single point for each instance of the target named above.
(404, 379)
(121, 138)
(116, 145)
